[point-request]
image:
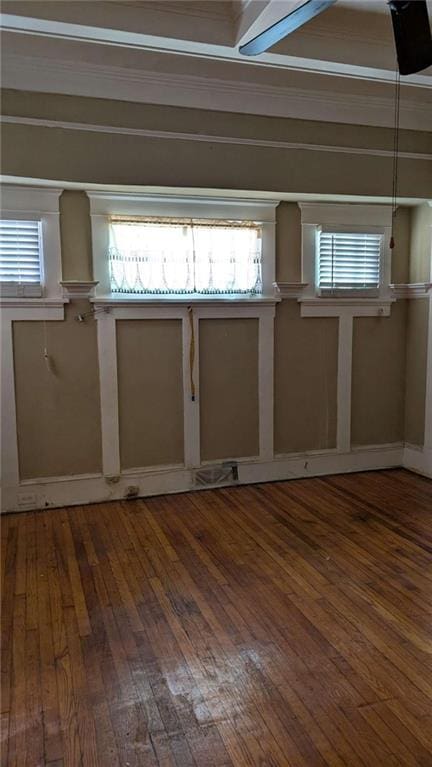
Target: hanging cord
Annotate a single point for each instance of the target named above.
(48, 361)
(191, 352)
(395, 155)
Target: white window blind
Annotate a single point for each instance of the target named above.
(349, 260)
(20, 254)
(184, 256)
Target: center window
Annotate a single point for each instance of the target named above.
(349, 260)
(158, 255)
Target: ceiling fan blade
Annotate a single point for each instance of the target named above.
(284, 27)
(412, 35)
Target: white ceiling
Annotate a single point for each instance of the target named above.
(339, 67)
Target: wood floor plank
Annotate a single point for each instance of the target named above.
(278, 625)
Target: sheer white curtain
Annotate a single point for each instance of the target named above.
(185, 256)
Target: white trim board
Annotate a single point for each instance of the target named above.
(202, 192)
(34, 73)
(127, 39)
(418, 460)
(428, 396)
(208, 138)
(411, 289)
(71, 491)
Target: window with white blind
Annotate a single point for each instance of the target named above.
(158, 255)
(20, 257)
(349, 260)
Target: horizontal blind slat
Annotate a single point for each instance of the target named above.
(349, 259)
(20, 251)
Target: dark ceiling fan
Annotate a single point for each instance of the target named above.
(410, 28)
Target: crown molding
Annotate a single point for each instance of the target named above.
(206, 138)
(411, 289)
(103, 35)
(34, 73)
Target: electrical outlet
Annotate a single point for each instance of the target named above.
(27, 500)
(112, 479)
(132, 491)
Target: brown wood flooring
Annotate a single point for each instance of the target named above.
(271, 625)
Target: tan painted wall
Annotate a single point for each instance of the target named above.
(378, 378)
(305, 380)
(288, 242)
(58, 413)
(416, 360)
(401, 250)
(228, 353)
(417, 325)
(72, 155)
(75, 231)
(420, 262)
(149, 355)
(151, 409)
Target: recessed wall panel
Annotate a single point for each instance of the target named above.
(378, 378)
(306, 353)
(229, 388)
(58, 406)
(150, 386)
(416, 370)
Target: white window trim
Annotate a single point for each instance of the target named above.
(103, 205)
(38, 204)
(344, 217)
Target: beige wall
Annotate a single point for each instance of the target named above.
(228, 353)
(75, 231)
(149, 358)
(58, 410)
(420, 262)
(288, 242)
(417, 325)
(89, 157)
(416, 360)
(306, 353)
(378, 378)
(402, 241)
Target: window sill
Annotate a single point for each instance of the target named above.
(182, 300)
(23, 302)
(335, 306)
(347, 293)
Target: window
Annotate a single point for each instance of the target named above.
(161, 255)
(349, 260)
(20, 257)
(30, 249)
(346, 252)
(177, 247)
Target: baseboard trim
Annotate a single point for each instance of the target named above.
(79, 490)
(418, 459)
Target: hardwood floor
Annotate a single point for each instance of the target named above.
(270, 625)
